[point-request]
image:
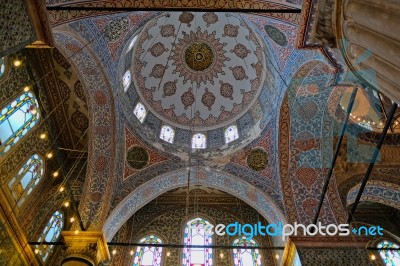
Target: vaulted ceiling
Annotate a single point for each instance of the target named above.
(200, 72)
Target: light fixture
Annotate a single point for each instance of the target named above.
(43, 136)
(62, 189)
(133, 252)
(36, 251)
(49, 155)
(168, 254)
(114, 251)
(55, 174)
(34, 112)
(26, 89)
(76, 232)
(372, 257)
(277, 256)
(66, 204)
(17, 62)
(221, 255)
(72, 219)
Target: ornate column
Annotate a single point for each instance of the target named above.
(85, 248)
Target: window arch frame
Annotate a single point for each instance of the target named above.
(256, 242)
(8, 110)
(11, 185)
(163, 251)
(183, 227)
(49, 249)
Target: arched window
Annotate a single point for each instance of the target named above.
(2, 67)
(16, 119)
(126, 80)
(390, 257)
(231, 133)
(196, 233)
(199, 141)
(167, 133)
(50, 234)
(148, 256)
(244, 256)
(131, 44)
(26, 179)
(140, 112)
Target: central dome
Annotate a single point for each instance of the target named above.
(198, 70)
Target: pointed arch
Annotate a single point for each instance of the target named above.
(254, 197)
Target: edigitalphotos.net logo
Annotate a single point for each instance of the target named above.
(285, 230)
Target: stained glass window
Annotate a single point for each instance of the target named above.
(390, 257)
(231, 133)
(26, 179)
(132, 43)
(375, 94)
(50, 234)
(196, 233)
(199, 141)
(167, 133)
(2, 67)
(244, 256)
(126, 80)
(366, 125)
(140, 112)
(16, 119)
(148, 256)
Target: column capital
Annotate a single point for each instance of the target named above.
(88, 245)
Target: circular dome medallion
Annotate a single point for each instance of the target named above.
(201, 75)
(257, 159)
(199, 56)
(137, 157)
